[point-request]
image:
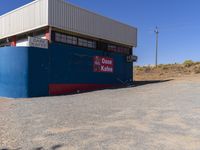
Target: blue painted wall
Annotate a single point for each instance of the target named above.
(23, 72)
(70, 64)
(13, 72)
(27, 72)
(38, 70)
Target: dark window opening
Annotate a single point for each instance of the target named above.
(84, 42)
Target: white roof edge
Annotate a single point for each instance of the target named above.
(25, 31)
(21, 7)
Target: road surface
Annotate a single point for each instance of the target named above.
(156, 116)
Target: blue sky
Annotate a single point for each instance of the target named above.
(178, 22)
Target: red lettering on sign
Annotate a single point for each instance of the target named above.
(103, 64)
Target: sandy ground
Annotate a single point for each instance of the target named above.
(154, 116)
(166, 71)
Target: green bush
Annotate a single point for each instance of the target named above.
(188, 63)
(140, 68)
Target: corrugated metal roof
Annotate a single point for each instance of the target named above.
(65, 16)
(29, 17)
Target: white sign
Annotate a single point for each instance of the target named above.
(38, 42)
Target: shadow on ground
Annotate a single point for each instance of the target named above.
(142, 83)
(55, 147)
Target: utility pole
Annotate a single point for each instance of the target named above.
(157, 33)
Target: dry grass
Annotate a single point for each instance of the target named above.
(167, 71)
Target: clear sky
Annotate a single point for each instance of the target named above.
(178, 22)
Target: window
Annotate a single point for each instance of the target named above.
(118, 49)
(71, 40)
(58, 37)
(91, 44)
(124, 50)
(74, 40)
(112, 48)
(86, 43)
(82, 42)
(64, 38)
(67, 39)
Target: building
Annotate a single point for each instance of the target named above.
(50, 47)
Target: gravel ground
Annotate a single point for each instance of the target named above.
(160, 116)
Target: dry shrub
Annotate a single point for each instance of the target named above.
(188, 63)
(197, 70)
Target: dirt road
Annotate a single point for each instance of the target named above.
(159, 116)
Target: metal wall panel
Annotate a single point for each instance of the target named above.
(62, 15)
(31, 16)
(68, 17)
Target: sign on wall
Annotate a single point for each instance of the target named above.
(103, 64)
(38, 42)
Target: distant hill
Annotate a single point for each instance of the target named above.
(167, 71)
